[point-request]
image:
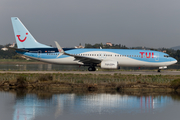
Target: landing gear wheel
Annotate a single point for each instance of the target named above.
(159, 70)
(92, 69)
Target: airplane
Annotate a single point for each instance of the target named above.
(103, 58)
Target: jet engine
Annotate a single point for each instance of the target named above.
(109, 65)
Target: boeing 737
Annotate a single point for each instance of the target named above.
(104, 58)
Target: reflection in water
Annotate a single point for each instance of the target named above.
(29, 106)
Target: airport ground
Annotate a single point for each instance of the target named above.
(137, 72)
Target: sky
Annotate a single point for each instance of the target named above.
(149, 23)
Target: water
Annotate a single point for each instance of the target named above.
(40, 105)
(49, 67)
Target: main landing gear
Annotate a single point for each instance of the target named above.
(92, 68)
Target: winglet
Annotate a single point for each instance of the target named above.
(61, 51)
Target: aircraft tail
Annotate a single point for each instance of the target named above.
(23, 37)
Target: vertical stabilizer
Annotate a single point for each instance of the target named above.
(23, 37)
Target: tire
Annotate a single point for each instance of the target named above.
(90, 69)
(94, 69)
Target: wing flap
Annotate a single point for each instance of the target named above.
(87, 59)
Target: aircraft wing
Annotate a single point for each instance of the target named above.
(83, 59)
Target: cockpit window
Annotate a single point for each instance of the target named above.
(166, 56)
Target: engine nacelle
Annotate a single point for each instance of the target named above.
(109, 65)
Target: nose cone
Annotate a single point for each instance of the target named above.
(173, 61)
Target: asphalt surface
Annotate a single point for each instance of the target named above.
(164, 72)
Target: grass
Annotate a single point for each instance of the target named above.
(91, 81)
(17, 60)
(92, 78)
(175, 84)
(46, 77)
(21, 79)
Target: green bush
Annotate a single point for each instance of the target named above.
(45, 77)
(80, 81)
(175, 84)
(21, 79)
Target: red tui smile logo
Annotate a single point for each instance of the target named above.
(20, 38)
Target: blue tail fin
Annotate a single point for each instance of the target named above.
(23, 37)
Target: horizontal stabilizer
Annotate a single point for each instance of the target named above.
(21, 50)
